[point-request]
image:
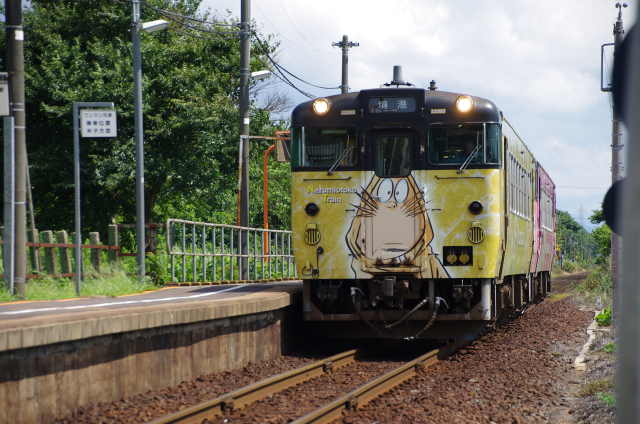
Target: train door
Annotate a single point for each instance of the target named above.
(537, 229)
(506, 201)
(392, 227)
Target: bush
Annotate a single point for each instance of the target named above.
(607, 398)
(157, 267)
(571, 266)
(598, 285)
(604, 318)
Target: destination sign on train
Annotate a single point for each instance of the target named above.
(392, 104)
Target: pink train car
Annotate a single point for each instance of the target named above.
(544, 223)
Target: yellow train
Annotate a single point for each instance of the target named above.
(416, 213)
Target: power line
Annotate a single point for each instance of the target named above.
(280, 70)
(190, 18)
(283, 70)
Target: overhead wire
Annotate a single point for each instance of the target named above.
(190, 18)
(282, 70)
(278, 73)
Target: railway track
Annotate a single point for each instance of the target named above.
(240, 398)
(252, 393)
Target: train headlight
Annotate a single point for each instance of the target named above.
(464, 104)
(311, 209)
(321, 106)
(451, 258)
(475, 207)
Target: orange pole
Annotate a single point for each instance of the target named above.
(265, 199)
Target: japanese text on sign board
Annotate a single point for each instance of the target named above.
(98, 123)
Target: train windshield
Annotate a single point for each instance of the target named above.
(453, 145)
(324, 147)
(393, 154)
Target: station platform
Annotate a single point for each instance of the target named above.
(33, 323)
(69, 353)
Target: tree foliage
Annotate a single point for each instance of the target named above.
(575, 243)
(82, 51)
(597, 216)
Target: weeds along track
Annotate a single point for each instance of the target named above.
(310, 394)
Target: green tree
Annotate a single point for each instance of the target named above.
(601, 235)
(81, 51)
(597, 216)
(574, 241)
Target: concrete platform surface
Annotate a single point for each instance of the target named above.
(37, 323)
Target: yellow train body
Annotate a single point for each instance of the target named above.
(447, 222)
(407, 211)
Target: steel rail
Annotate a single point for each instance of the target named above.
(365, 393)
(244, 396)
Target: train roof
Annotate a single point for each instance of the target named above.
(432, 106)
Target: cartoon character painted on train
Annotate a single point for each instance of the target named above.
(391, 231)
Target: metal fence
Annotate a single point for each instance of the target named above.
(202, 252)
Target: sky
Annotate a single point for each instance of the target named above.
(539, 61)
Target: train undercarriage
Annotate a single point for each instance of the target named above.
(397, 307)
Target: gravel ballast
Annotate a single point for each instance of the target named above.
(518, 373)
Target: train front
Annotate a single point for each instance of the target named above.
(396, 209)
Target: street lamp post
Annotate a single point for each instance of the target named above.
(139, 129)
(243, 167)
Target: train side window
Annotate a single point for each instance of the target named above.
(296, 146)
(492, 145)
(322, 147)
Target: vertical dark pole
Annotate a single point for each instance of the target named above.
(345, 45)
(628, 326)
(77, 250)
(616, 160)
(8, 248)
(32, 221)
(245, 51)
(344, 87)
(15, 67)
(139, 137)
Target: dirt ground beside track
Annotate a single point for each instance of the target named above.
(522, 372)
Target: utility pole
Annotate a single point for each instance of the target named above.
(616, 158)
(15, 67)
(245, 52)
(345, 45)
(628, 326)
(139, 139)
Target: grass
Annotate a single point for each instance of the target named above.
(609, 347)
(604, 318)
(607, 398)
(117, 283)
(556, 297)
(597, 285)
(595, 387)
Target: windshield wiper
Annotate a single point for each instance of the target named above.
(467, 161)
(343, 154)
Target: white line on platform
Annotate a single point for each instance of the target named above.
(124, 302)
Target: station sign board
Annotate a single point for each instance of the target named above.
(98, 123)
